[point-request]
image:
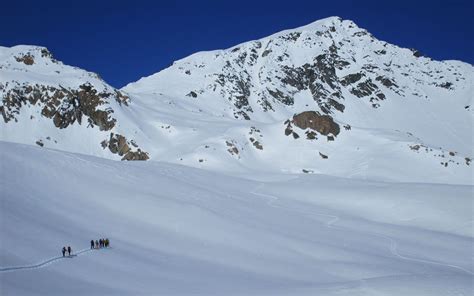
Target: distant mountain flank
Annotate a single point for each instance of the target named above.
(323, 98)
(40, 95)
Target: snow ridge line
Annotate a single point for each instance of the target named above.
(43, 263)
(393, 244)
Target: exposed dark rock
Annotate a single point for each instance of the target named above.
(64, 106)
(256, 144)
(446, 85)
(351, 78)
(280, 96)
(118, 144)
(288, 129)
(266, 52)
(192, 94)
(323, 124)
(293, 36)
(136, 155)
(39, 143)
(311, 135)
(416, 53)
(323, 156)
(232, 148)
(26, 59)
(364, 89)
(386, 81)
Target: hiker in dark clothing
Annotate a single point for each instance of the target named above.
(92, 244)
(106, 242)
(101, 243)
(96, 244)
(64, 251)
(69, 250)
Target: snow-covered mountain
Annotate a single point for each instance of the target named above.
(255, 179)
(63, 107)
(324, 98)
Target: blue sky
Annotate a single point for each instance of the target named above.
(126, 40)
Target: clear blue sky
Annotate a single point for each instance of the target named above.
(125, 40)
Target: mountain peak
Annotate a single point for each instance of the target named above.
(333, 23)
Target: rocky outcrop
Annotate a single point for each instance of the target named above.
(313, 122)
(320, 79)
(64, 106)
(323, 124)
(232, 147)
(26, 59)
(118, 144)
(68, 106)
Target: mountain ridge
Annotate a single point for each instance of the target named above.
(328, 93)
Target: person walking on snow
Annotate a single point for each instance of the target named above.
(96, 244)
(64, 251)
(106, 242)
(69, 250)
(92, 244)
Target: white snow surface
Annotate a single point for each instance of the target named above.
(176, 230)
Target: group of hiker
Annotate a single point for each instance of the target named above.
(97, 244)
(68, 250)
(101, 243)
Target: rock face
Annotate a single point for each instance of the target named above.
(313, 123)
(118, 144)
(323, 124)
(64, 106)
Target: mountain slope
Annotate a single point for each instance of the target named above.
(58, 106)
(394, 114)
(325, 98)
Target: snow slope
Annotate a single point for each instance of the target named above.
(176, 230)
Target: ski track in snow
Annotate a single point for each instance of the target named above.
(43, 263)
(334, 219)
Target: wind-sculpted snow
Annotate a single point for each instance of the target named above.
(176, 230)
